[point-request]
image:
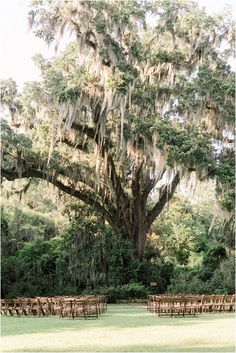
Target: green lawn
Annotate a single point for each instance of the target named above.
(124, 328)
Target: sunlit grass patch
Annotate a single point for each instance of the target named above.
(122, 329)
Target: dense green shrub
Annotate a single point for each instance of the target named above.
(186, 281)
(211, 261)
(219, 281)
(126, 292)
(37, 268)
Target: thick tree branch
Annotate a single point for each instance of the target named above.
(93, 134)
(116, 184)
(79, 194)
(135, 186)
(80, 146)
(149, 185)
(89, 131)
(166, 194)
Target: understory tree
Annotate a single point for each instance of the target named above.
(127, 110)
(191, 238)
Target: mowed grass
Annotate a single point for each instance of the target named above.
(123, 328)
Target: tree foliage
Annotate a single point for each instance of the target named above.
(198, 247)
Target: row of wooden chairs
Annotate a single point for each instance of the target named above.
(65, 307)
(176, 305)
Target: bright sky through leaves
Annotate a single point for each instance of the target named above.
(18, 45)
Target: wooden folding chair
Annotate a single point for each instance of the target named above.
(66, 307)
(218, 303)
(43, 304)
(25, 306)
(3, 307)
(164, 306)
(150, 304)
(55, 306)
(79, 309)
(91, 309)
(102, 305)
(9, 307)
(17, 307)
(178, 306)
(191, 306)
(229, 305)
(34, 308)
(207, 303)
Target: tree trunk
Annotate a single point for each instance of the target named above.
(139, 237)
(139, 227)
(131, 223)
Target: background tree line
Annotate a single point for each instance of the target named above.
(77, 252)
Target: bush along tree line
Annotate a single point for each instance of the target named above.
(120, 117)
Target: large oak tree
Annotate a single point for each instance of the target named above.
(128, 109)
